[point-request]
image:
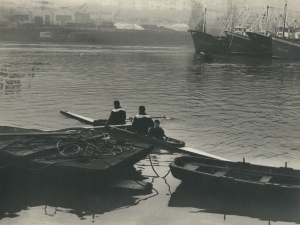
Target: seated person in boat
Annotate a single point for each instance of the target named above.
(156, 131)
(117, 115)
(142, 122)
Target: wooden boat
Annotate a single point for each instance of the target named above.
(170, 144)
(240, 176)
(170, 141)
(88, 155)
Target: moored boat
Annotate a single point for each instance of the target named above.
(260, 34)
(238, 176)
(239, 44)
(285, 48)
(262, 43)
(285, 45)
(102, 36)
(94, 157)
(204, 42)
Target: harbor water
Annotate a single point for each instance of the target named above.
(236, 107)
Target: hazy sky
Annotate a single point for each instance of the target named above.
(292, 4)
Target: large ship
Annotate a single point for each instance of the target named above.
(203, 41)
(275, 38)
(152, 35)
(285, 48)
(262, 43)
(286, 44)
(239, 43)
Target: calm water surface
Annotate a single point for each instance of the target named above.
(234, 107)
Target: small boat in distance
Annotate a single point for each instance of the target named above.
(205, 56)
(239, 176)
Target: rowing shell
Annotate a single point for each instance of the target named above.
(169, 144)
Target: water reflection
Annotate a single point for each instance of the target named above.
(218, 201)
(25, 192)
(13, 76)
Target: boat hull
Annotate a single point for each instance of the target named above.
(109, 36)
(236, 176)
(262, 44)
(240, 44)
(285, 49)
(93, 158)
(168, 142)
(204, 42)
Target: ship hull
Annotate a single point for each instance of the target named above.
(240, 44)
(204, 42)
(261, 43)
(98, 36)
(286, 49)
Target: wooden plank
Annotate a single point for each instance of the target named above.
(220, 173)
(191, 167)
(43, 133)
(265, 179)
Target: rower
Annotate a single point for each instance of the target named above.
(142, 122)
(156, 131)
(117, 115)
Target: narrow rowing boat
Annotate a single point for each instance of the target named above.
(236, 175)
(170, 141)
(171, 144)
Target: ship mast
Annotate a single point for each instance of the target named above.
(284, 19)
(267, 14)
(266, 21)
(204, 22)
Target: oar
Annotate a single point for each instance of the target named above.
(163, 117)
(154, 117)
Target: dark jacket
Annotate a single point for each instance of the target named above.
(117, 117)
(158, 133)
(142, 123)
